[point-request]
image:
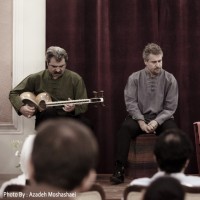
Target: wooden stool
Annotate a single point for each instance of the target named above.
(141, 162)
(197, 143)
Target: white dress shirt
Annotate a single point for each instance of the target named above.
(187, 180)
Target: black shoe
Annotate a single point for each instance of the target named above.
(118, 175)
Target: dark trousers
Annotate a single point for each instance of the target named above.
(53, 113)
(130, 129)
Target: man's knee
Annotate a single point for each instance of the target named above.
(130, 127)
(168, 124)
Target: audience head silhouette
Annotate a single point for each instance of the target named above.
(172, 151)
(164, 188)
(64, 155)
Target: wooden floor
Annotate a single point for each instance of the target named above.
(113, 192)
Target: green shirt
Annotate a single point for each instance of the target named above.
(69, 85)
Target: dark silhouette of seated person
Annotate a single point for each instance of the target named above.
(63, 160)
(164, 188)
(172, 152)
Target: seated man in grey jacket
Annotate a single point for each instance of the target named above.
(151, 98)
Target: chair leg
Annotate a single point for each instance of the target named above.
(196, 126)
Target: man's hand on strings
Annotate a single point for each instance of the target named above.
(69, 107)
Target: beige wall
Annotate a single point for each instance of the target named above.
(6, 31)
(22, 52)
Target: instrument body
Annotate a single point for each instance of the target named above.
(43, 100)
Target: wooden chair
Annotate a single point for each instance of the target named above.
(192, 193)
(96, 192)
(133, 192)
(141, 161)
(197, 143)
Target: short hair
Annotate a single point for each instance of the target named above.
(57, 52)
(172, 149)
(164, 188)
(151, 48)
(64, 152)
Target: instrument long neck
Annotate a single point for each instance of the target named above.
(76, 102)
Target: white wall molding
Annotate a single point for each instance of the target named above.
(16, 126)
(28, 53)
(29, 17)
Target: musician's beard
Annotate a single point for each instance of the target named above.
(56, 75)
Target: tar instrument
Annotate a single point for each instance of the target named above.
(43, 100)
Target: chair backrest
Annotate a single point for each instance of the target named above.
(197, 142)
(14, 188)
(96, 192)
(133, 192)
(192, 193)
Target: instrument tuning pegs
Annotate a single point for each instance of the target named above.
(99, 94)
(95, 94)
